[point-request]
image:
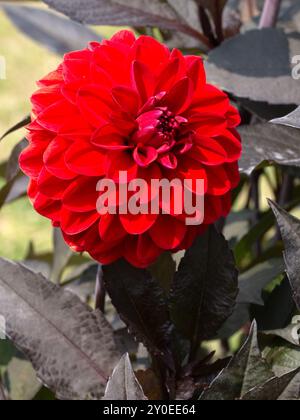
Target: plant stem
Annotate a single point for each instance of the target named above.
(286, 191)
(100, 291)
(270, 14)
(2, 392)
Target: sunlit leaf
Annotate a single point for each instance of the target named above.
(123, 384)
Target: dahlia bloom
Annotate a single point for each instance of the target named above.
(129, 105)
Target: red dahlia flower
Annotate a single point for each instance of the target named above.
(128, 105)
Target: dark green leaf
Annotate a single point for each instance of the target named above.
(253, 281)
(281, 299)
(205, 287)
(282, 356)
(243, 248)
(123, 384)
(272, 390)
(71, 348)
(290, 231)
(247, 370)
(240, 317)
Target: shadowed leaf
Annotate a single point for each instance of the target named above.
(247, 370)
(272, 390)
(205, 287)
(141, 304)
(71, 348)
(290, 231)
(282, 356)
(12, 167)
(55, 32)
(17, 126)
(123, 12)
(253, 281)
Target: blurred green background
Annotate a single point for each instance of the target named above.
(26, 62)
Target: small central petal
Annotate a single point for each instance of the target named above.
(159, 131)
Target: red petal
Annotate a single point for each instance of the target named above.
(53, 78)
(143, 80)
(31, 160)
(231, 141)
(214, 209)
(207, 125)
(95, 104)
(55, 116)
(141, 251)
(124, 37)
(108, 138)
(218, 182)
(73, 198)
(73, 223)
(127, 99)
(168, 76)
(233, 117)
(47, 207)
(145, 155)
(179, 98)
(76, 69)
(168, 232)
(106, 252)
(169, 161)
(196, 71)
(190, 169)
(121, 162)
(138, 224)
(233, 173)
(151, 53)
(45, 97)
(111, 227)
(82, 158)
(51, 186)
(54, 159)
(82, 241)
(208, 151)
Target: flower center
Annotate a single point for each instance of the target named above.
(159, 137)
(168, 124)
